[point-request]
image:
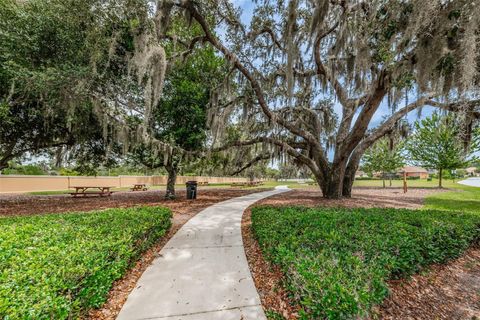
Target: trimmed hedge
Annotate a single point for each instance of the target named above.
(58, 266)
(337, 261)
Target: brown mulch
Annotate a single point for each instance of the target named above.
(34, 204)
(267, 277)
(182, 210)
(361, 198)
(449, 291)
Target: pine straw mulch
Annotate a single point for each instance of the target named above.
(450, 291)
(182, 210)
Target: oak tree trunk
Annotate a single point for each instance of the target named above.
(347, 185)
(332, 182)
(337, 182)
(349, 177)
(4, 162)
(171, 180)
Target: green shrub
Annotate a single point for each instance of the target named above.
(58, 266)
(337, 261)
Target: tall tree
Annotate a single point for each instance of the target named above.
(384, 156)
(42, 63)
(72, 73)
(363, 53)
(436, 143)
(180, 118)
(59, 73)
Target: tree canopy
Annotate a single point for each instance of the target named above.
(44, 69)
(362, 54)
(306, 79)
(73, 73)
(384, 156)
(180, 118)
(436, 144)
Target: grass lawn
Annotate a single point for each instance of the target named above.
(420, 183)
(337, 261)
(463, 198)
(58, 266)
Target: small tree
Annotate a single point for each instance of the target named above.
(384, 157)
(436, 144)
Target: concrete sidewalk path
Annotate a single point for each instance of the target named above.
(202, 273)
(472, 182)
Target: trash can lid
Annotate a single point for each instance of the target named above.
(191, 182)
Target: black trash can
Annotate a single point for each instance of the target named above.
(191, 190)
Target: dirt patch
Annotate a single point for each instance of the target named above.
(450, 291)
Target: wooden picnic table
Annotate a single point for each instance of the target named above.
(139, 187)
(84, 191)
(247, 184)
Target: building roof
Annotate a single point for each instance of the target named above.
(471, 169)
(412, 169)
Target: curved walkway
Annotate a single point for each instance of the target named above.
(202, 272)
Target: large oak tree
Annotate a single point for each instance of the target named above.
(364, 55)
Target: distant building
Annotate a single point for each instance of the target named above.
(411, 171)
(360, 174)
(377, 174)
(472, 171)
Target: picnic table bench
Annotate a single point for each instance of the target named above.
(139, 187)
(84, 191)
(202, 183)
(247, 184)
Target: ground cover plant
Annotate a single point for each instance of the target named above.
(58, 266)
(337, 261)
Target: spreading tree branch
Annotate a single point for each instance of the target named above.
(259, 158)
(314, 141)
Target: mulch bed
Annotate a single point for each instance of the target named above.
(267, 277)
(450, 291)
(182, 210)
(34, 204)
